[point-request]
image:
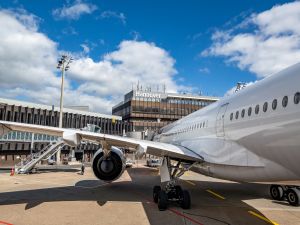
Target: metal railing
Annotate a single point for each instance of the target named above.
(27, 165)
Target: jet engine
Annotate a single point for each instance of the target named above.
(111, 167)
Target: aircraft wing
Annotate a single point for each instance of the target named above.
(73, 137)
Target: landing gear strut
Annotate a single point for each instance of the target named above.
(290, 193)
(171, 192)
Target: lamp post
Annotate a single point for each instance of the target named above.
(63, 65)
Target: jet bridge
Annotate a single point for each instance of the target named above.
(28, 165)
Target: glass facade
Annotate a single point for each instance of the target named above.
(19, 143)
(149, 110)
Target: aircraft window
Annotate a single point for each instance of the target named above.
(243, 113)
(285, 101)
(265, 107)
(249, 111)
(237, 115)
(231, 116)
(256, 109)
(274, 104)
(297, 98)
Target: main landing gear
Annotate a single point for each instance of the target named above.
(290, 193)
(163, 195)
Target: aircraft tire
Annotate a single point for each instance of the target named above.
(178, 191)
(186, 200)
(156, 190)
(277, 192)
(293, 196)
(162, 200)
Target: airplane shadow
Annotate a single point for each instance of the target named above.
(205, 208)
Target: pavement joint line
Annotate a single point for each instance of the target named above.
(215, 194)
(262, 218)
(190, 182)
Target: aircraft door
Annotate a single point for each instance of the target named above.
(220, 132)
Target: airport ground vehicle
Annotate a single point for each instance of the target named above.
(129, 163)
(153, 162)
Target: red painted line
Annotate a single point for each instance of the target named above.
(186, 217)
(1, 222)
(172, 210)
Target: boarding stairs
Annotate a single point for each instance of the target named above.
(45, 153)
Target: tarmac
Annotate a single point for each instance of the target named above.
(63, 196)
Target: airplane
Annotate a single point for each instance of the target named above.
(250, 136)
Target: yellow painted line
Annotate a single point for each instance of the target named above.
(262, 218)
(216, 194)
(190, 182)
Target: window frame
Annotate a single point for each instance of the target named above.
(249, 111)
(297, 98)
(256, 109)
(243, 113)
(265, 107)
(285, 103)
(274, 104)
(237, 113)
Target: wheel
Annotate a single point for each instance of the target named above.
(293, 196)
(276, 192)
(186, 200)
(156, 190)
(162, 200)
(178, 190)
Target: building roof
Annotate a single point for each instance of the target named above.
(162, 95)
(48, 107)
(189, 96)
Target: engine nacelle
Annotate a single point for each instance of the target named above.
(111, 167)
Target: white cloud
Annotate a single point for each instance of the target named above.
(135, 35)
(272, 45)
(25, 53)
(85, 48)
(112, 14)
(73, 12)
(69, 31)
(133, 62)
(204, 70)
(28, 61)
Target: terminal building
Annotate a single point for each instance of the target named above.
(15, 145)
(147, 110)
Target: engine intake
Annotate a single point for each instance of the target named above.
(111, 167)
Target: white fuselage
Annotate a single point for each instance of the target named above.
(263, 146)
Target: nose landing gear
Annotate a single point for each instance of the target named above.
(290, 193)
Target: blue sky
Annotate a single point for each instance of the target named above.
(199, 41)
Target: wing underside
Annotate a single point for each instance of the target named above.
(74, 137)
